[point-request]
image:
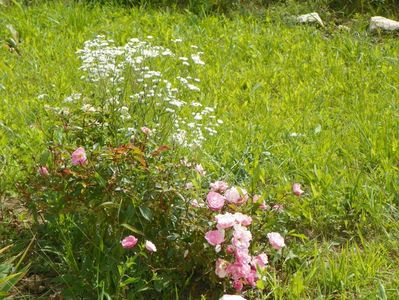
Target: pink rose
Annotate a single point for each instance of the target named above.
(242, 219)
(237, 285)
(276, 240)
(189, 185)
(221, 268)
(194, 203)
(230, 249)
(233, 195)
(43, 171)
(219, 186)
(129, 242)
(278, 208)
(242, 256)
(264, 206)
(241, 237)
(150, 246)
(251, 278)
(146, 130)
(79, 156)
(200, 170)
(215, 201)
(259, 261)
(215, 237)
(296, 188)
(238, 270)
(255, 198)
(225, 220)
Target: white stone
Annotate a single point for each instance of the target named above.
(310, 18)
(383, 23)
(232, 297)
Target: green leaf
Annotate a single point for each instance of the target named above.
(44, 158)
(132, 229)
(130, 280)
(14, 33)
(5, 269)
(260, 284)
(381, 292)
(108, 204)
(299, 235)
(146, 213)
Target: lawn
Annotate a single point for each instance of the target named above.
(299, 103)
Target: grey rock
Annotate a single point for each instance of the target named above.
(310, 18)
(378, 22)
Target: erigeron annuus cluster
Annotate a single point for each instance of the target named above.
(142, 95)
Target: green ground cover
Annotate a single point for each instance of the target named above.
(303, 104)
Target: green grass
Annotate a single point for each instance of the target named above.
(269, 78)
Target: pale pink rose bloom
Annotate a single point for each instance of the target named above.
(255, 198)
(232, 297)
(129, 242)
(195, 203)
(251, 278)
(150, 246)
(185, 163)
(225, 220)
(259, 261)
(79, 156)
(215, 237)
(241, 237)
(278, 208)
(236, 196)
(242, 219)
(237, 285)
(276, 240)
(264, 206)
(146, 130)
(230, 249)
(215, 201)
(242, 256)
(296, 188)
(189, 185)
(221, 268)
(219, 186)
(43, 171)
(200, 170)
(238, 270)
(232, 195)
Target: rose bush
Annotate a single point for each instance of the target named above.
(120, 208)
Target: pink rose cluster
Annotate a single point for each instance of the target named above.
(232, 229)
(220, 193)
(243, 270)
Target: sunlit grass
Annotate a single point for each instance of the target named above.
(299, 103)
